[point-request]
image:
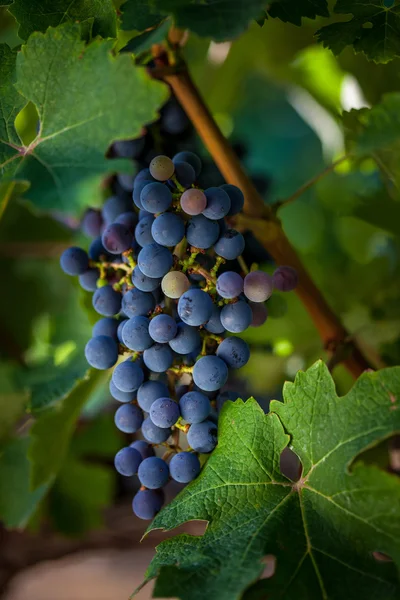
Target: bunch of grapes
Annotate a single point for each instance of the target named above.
(154, 268)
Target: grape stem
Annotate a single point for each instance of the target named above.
(111, 265)
(243, 265)
(258, 217)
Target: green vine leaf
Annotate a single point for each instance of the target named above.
(139, 15)
(373, 30)
(38, 15)
(293, 11)
(322, 529)
(77, 91)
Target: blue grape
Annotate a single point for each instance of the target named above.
(218, 203)
(92, 222)
(214, 324)
(161, 168)
(107, 326)
(74, 261)
(202, 232)
(154, 434)
(97, 251)
(126, 182)
(135, 335)
(202, 437)
(144, 283)
(137, 304)
(119, 330)
(129, 148)
(195, 407)
(193, 201)
(185, 173)
(285, 279)
(173, 119)
(88, 280)
(149, 392)
(259, 312)
(210, 373)
(230, 245)
(128, 418)
(195, 307)
(128, 220)
(156, 197)
(127, 461)
(137, 191)
(168, 229)
(143, 448)
(101, 352)
(234, 351)
(147, 503)
(153, 472)
(143, 175)
(163, 329)
(258, 286)
(158, 358)
(127, 376)
(106, 301)
(164, 412)
(114, 207)
(143, 234)
(236, 317)
(224, 396)
(229, 285)
(123, 397)
(187, 339)
(189, 157)
(184, 467)
(116, 238)
(236, 197)
(155, 260)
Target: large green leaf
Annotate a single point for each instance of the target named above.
(139, 15)
(293, 11)
(322, 529)
(86, 98)
(38, 15)
(374, 29)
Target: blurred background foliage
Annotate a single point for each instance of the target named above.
(277, 96)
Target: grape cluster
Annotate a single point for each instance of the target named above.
(154, 267)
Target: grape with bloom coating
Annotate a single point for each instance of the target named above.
(234, 351)
(161, 168)
(128, 418)
(229, 285)
(136, 335)
(218, 203)
(127, 461)
(184, 467)
(106, 301)
(195, 407)
(153, 472)
(236, 317)
(195, 307)
(74, 261)
(147, 503)
(155, 197)
(162, 329)
(210, 373)
(191, 158)
(136, 303)
(116, 238)
(187, 339)
(230, 245)
(193, 201)
(174, 284)
(164, 412)
(101, 352)
(150, 391)
(154, 434)
(202, 437)
(258, 286)
(202, 232)
(236, 197)
(168, 229)
(127, 376)
(155, 260)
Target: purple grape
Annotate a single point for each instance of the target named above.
(229, 285)
(285, 279)
(116, 238)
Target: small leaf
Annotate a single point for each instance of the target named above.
(144, 41)
(322, 530)
(139, 15)
(374, 29)
(38, 15)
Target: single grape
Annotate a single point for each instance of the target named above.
(259, 312)
(128, 220)
(101, 352)
(164, 412)
(155, 260)
(168, 229)
(107, 326)
(128, 418)
(92, 222)
(153, 472)
(202, 232)
(149, 392)
(173, 119)
(119, 330)
(236, 197)
(195, 407)
(234, 351)
(97, 251)
(158, 358)
(285, 279)
(174, 284)
(230, 245)
(135, 335)
(163, 329)
(144, 283)
(195, 307)
(187, 339)
(218, 203)
(143, 175)
(258, 286)
(193, 201)
(143, 448)
(136, 303)
(125, 181)
(137, 192)
(236, 317)
(74, 261)
(184, 467)
(161, 168)
(210, 373)
(143, 234)
(214, 324)
(224, 397)
(191, 158)
(127, 461)
(202, 437)
(147, 503)
(124, 397)
(115, 206)
(127, 376)
(154, 434)
(106, 301)
(129, 148)
(88, 280)
(155, 197)
(116, 238)
(229, 285)
(185, 173)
